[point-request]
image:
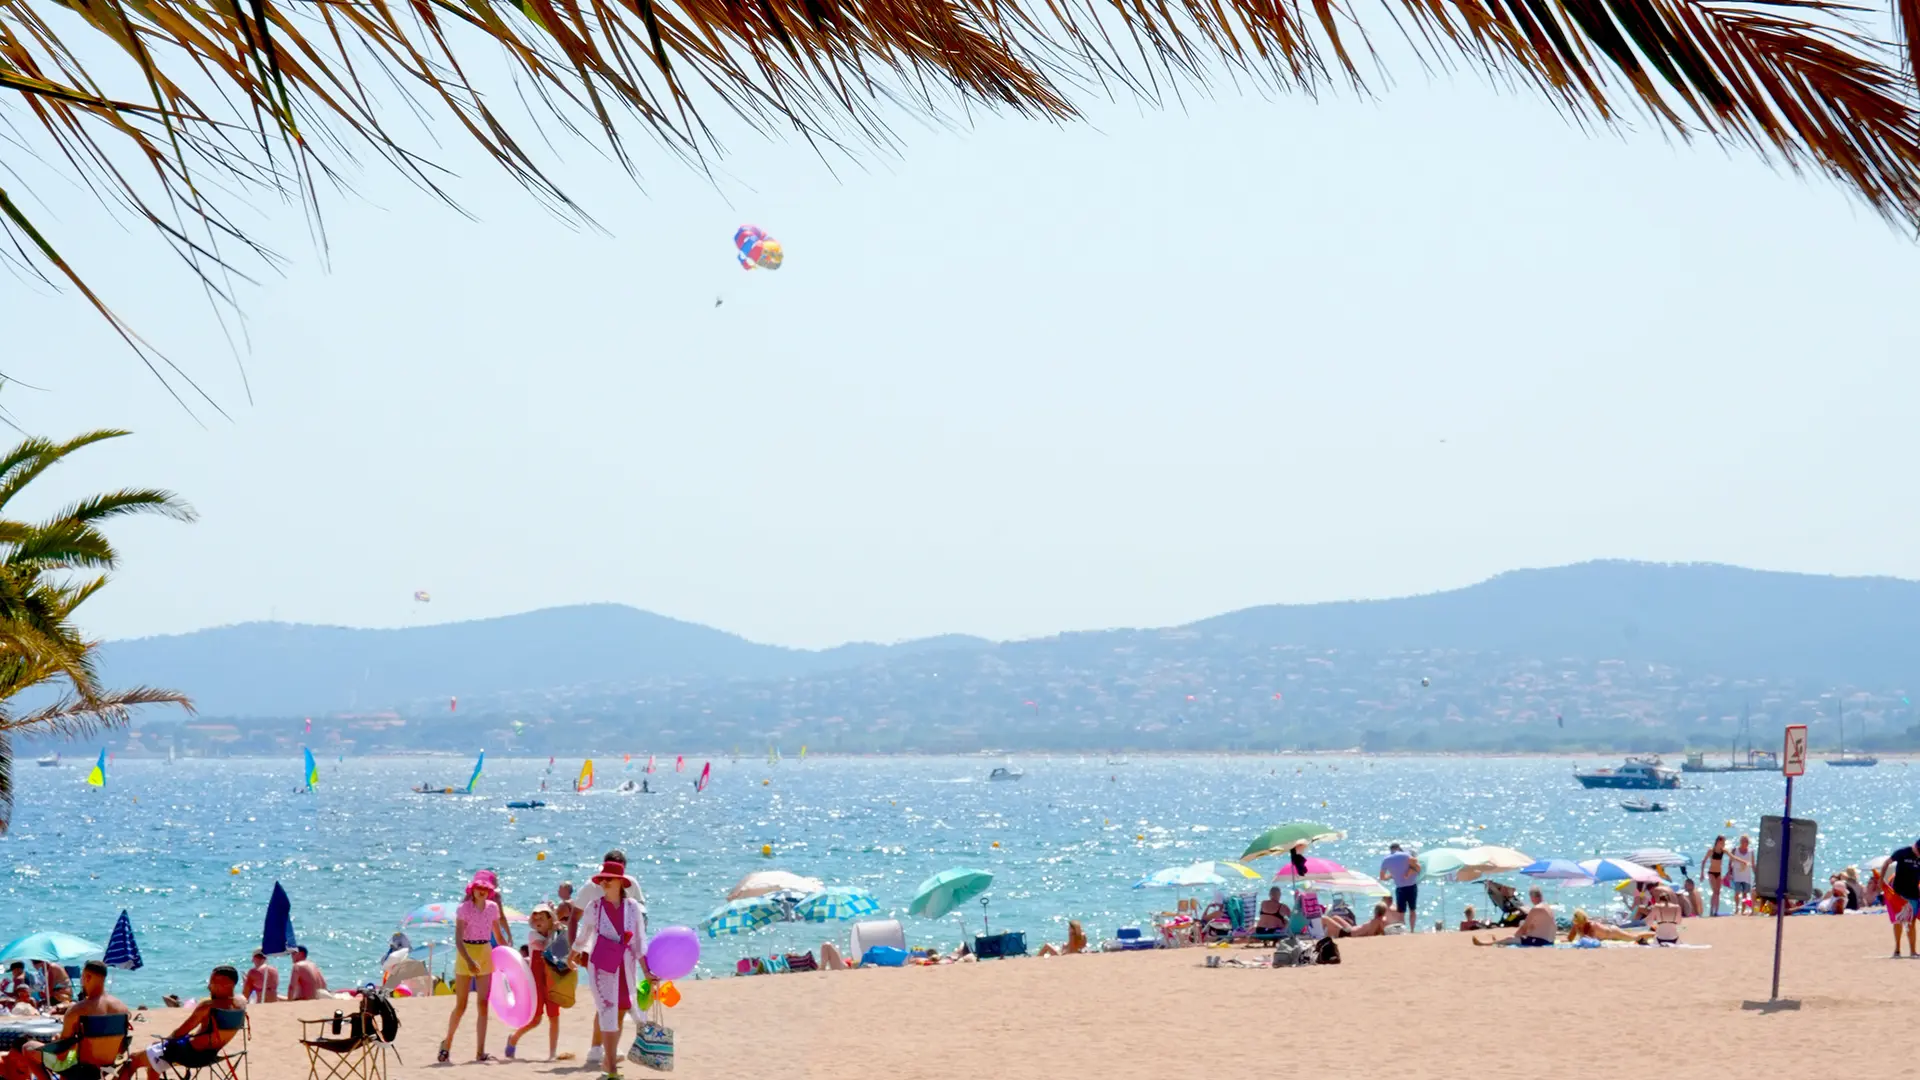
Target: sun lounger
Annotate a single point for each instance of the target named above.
(1130, 940)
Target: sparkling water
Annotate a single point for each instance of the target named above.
(192, 849)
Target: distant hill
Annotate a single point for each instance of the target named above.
(1705, 619)
(281, 669)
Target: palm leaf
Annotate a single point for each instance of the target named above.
(1790, 78)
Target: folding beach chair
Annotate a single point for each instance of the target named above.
(350, 1046)
(1506, 899)
(224, 1063)
(60, 1058)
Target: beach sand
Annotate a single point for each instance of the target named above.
(1428, 1005)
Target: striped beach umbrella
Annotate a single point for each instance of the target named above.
(739, 916)
(122, 950)
(831, 905)
(1619, 870)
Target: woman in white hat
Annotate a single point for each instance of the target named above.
(612, 949)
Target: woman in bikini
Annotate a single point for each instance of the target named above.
(478, 920)
(612, 949)
(1716, 866)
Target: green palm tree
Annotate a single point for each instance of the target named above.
(47, 569)
(274, 96)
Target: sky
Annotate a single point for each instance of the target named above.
(1013, 380)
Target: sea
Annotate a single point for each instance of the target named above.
(192, 849)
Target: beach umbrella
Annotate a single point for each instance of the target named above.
(1352, 881)
(1556, 870)
(946, 890)
(122, 951)
(51, 946)
(1618, 870)
(1654, 858)
(276, 936)
(1442, 861)
(1491, 859)
(767, 882)
(737, 916)
(831, 905)
(1197, 875)
(428, 915)
(1317, 870)
(1283, 838)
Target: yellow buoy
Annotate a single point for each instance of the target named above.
(766, 850)
(233, 870)
(996, 843)
(511, 819)
(542, 857)
(1139, 836)
(1729, 823)
(764, 783)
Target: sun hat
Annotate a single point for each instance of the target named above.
(484, 879)
(541, 908)
(613, 871)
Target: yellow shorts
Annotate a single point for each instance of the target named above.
(474, 958)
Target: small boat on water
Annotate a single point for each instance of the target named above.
(429, 789)
(1636, 773)
(51, 761)
(1642, 806)
(526, 804)
(1843, 759)
(1005, 773)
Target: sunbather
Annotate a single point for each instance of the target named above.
(1374, 927)
(1664, 916)
(1076, 942)
(197, 1035)
(831, 959)
(1537, 930)
(95, 1054)
(1584, 927)
(1274, 915)
(1468, 922)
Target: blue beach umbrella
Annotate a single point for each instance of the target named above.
(947, 890)
(1618, 870)
(1555, 870)
(833, 904)
(276, 937)
(51, 946)
(738, 916)
(122, 951)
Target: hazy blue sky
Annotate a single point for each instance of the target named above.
(1021, 379)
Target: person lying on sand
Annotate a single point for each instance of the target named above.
(1076, 942)
(1537, 930)
(1374, 927)
(198, 1038)
(1584, 927)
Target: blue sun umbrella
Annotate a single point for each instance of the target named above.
(276, 936)
(947, 890)
(122, 951)
(51, 946)
(1556, 870)
(738, 916)
(830, 905)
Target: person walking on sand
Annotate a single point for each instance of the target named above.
(1742, 875)
(1902, 875)
(612, 950)
(1715, 864)
(542, 935)
(477, 920)
(1402, 869)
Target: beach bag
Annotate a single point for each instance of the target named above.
(1293, 953)
(561, 989)
(1326, 952)
(558, 954)
(653, 1047)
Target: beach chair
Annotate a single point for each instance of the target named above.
(57, 1057)
(225, 1063)
(350, 1046)
(801, 962)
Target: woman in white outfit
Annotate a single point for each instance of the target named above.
(612, 949)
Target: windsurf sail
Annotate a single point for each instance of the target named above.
(649, 762)
(680, 763)
(803, 751)
(98, 777)
(313, 769)
(586, 776)
(477, 765)
(705, 771)
(773, 755)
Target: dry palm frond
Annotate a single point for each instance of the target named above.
(271, 94)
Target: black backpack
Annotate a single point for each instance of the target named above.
(379, 1007)
(1326, 952)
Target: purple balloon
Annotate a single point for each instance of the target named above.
(673, 952)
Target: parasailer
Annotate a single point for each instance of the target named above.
(420, 596)
(757, 249)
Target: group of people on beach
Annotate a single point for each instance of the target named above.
(95, 1029)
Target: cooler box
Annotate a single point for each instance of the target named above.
(995, 946)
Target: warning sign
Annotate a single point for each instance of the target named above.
(1793, 761)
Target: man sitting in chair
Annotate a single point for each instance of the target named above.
(198, 1041)
(90, 1031)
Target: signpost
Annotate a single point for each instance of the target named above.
(1793, 762)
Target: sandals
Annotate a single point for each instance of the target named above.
(446, 1054)
(510, 1049)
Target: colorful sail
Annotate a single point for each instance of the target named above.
(586, 776)
(313, 769)
(803, 751)
(680, 763)
(98, 777)
(477, 765)
(649, 762)
(705, 772)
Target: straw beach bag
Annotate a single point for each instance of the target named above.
(653, 1046)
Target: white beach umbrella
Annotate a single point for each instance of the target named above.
(768, 882)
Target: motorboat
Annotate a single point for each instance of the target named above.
(526, 804)
(51, 761)
(1004, 773)
(1642, 806)
(1636, 773)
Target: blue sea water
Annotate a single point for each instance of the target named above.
(192, 849)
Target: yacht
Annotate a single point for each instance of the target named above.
(1752, 761)
(51, 761)
(1844, 759)
(1636, 773)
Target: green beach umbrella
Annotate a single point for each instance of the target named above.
(51, 946)
(1282, 838)
(1442, 861)
(948, 889)
(738, 916)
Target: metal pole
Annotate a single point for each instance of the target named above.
(1780, 890)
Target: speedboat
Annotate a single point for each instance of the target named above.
(51, 761)
(1005, 774)
(1642, 806)
(526, 804)
(1636, 773)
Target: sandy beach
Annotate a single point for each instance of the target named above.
(1426, 1005)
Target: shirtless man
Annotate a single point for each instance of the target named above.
(196, 1035)
(1536, 930)
(263, 980)
(305, 982)
(566, 913)
(95, 1054)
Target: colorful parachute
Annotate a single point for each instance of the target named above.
(420, 596)
(757, 248)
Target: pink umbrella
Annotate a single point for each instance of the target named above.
(1317, 869)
